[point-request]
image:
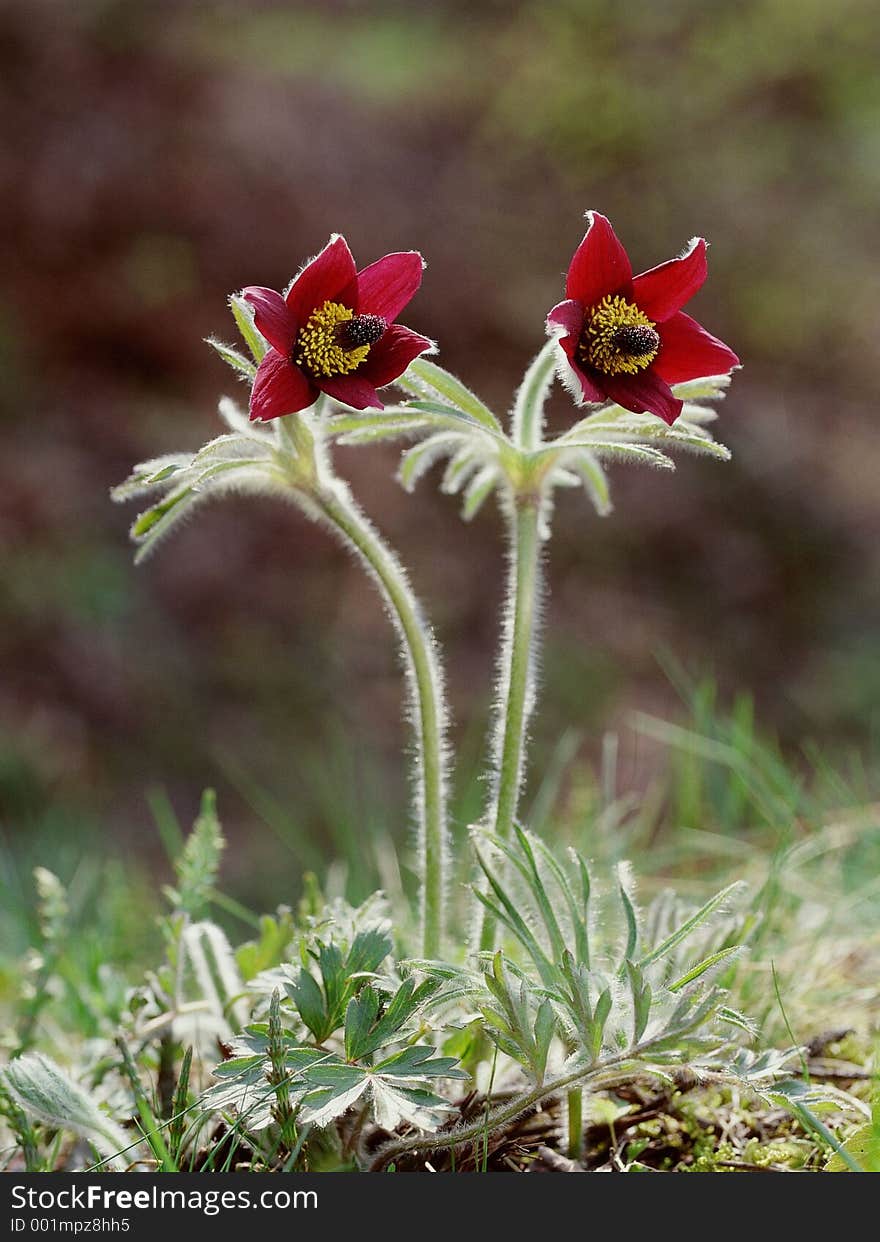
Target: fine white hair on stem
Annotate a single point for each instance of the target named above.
(333, 503)
(518, 667)
(505, 654)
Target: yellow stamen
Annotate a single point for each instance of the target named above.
(317, 347)
(619, 339)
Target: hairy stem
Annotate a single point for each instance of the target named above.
(610, 1074)
(335, 504)
(517, 672)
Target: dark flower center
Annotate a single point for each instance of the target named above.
(618, 337)
(335, 341)
(635, 340)
(361, 330)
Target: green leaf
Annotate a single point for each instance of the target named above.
(419, 459)
(713, 387)
(199, 862)
(797, 1096)
(706, 964)
(151, 526)
(697, 415)
(237, 421)
(514, 920)
(244, 318)
(419, 1062)
(478, 490)
(424, 378)
(46, 1094)
(272, 946)
(368, 951)
(394, 1104)
(862, 1147)
(611, 449)
(545, 1029)
(624, 888)
(527, 419)
(460, 467)
(446, 416)
(595, 481)
(697, 444)
(373, 430)
(342, 1087)
(600, 1016)
(308, 1000)
(237, 361)
(536, 885)
(361, 1014)
(150, 475)
(713, 906)
(334, 977)
(641, 998)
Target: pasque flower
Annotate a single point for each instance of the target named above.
(626, 337)
(334, 332)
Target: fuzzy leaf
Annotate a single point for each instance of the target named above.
(714, 905)
(378, 429)
(233, 358)
(244, 318)
(150, 475)
(625, 889)
(419, 459)
(712, 388)
(199, 861)
(545, 1029)
(478, 490)
(620, 449)
(705, 965)
(424, 378)
(151, 526)
(594, 479)
(46, 1094)
(461, 466)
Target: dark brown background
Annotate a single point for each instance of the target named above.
(156, 156)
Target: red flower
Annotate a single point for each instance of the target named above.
(334, 332)
(626, 337)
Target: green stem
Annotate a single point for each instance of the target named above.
(601, 1076)
(336, 504)
(614, 1071)
(575, 1100)
(517, 662)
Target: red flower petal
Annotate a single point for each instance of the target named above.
(568, 315)
(688, 351)
(645, 393)
(322, 280)
(664, 289)
(272, 317)
(600, 264)
(279, 388)
(385, 287)
(351, 390)
(590, 391)
(392, 354)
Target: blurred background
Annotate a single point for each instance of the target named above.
(157, 155)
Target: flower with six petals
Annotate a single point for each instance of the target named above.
(625, 337)
(333, 331)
